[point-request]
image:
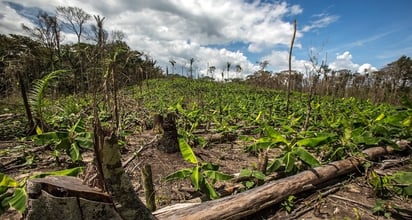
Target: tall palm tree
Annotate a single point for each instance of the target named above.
(173, 62)
(212, 70)
(238, 68)
(228, 64)
(191, 66)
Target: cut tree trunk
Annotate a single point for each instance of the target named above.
(127, 203)
(64, 197)
(254, 200)
(169, 143)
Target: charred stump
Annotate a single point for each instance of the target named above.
(169, 143)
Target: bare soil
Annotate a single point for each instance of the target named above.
(348, 197)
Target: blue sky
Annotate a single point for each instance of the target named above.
(355, 35)
(376, 32)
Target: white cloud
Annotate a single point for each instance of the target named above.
(322, 21)
(344, 61)
(279, 61)
(366, 68)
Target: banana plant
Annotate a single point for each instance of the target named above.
(71, 140)
(12, 194)
(202, 175)
(292, 151)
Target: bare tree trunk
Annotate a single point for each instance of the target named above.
(290, 66)
(169, 143)
(26, 102)
(148, 187)
(118, 183)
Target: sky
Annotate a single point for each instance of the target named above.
(359, 35)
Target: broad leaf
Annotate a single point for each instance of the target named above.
(275, 165)
(306, 157)
(7, 182)
(289, 161)
(210, 166)
(68, 172)
(275, 136)
(180, 174)
(314, 142)
(196, 178)
(187, 151)
(18, 200)
(252, 173)
(74, 152)
(78, 127)
(216, 175)
(403, 178)
(211, 191)
(85, 140)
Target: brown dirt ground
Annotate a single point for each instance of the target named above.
(348, 197)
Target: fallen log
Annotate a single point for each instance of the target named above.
(251, 201)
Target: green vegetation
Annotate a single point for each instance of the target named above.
(202, 175)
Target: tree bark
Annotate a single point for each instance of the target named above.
(169, 143)
(249, 202)
(64, 197)
(119, 185)
(148, 187)
(26, 103)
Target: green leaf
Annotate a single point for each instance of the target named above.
(85, 140)
(275, 165)
(187, 151)
(211, 191)
(249, 184)
(38, 130)
(380, 117)
(216, 175)
(210, 166)
(258, 117)
(196, 177)
(306, 157)
(7, 182)
(408, 190)
(289, 161)
(180, 174)
(78, 127)
(45, 138)
(67, 172)
(314, 142)
(403, 177)
(74, 152)
(275, 136)
(18, 200)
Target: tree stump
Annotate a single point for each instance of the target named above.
(169, 143)
(65, 197)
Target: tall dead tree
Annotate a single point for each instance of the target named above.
(74, 19)
(290, 67)
(47, 32)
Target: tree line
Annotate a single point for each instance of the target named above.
(391, 84)
(95, 55)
